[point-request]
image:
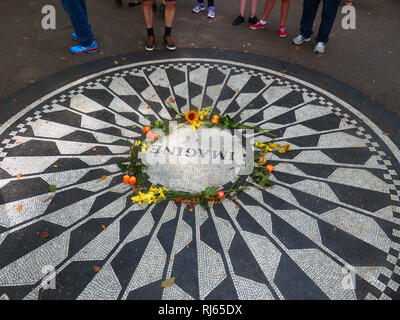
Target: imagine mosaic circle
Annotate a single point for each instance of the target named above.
(334, 204)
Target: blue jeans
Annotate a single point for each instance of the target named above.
(329, 11)
(210, 2)
(76, 10)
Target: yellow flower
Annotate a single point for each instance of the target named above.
(260, 145)
(137, 143)
(204, 113)
(153, 195)
(274, 145)
(144, 148)
(196, 124)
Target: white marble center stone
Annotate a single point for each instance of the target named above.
(191, 160)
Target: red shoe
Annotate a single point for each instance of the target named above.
(282, 32)
(258, 25)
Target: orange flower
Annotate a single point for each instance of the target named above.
(146, 129)
(263, 161)
(215, 119)
(126, 178)
(192, 116)
(132, 180)
(270, 168)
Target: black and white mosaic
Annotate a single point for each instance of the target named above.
(334, 205)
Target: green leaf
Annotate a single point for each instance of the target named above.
(53, 188)
(204, 204)
(123, 167)
(210, 192)
(167, 282)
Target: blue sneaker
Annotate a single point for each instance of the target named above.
(211, 13)
(199, 7)
(79, 49)
(75, 37)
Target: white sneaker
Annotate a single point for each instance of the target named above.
(320, 47)
(300, 39)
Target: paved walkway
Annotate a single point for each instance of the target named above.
(334, 205)
(365, 58)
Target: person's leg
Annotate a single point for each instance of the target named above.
(148, 13)
(267, 9)
(284, 11)
(170, 8)
(242, 6)
(210, 3)
(310, 8)
(147, 7)
(329, 12)
(253, 8)
(76, 9)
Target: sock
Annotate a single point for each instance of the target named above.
(251, 17)
(167, 31)
(263, 21)
(150, 32)
(282, 28)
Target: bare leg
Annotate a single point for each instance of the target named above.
(242, 7)
(253, 8)
(169, 13)
(284, 11)
(148, 13)
(268, 8)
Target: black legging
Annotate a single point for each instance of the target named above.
(210, 2)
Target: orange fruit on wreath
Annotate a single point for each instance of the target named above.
(126, 178)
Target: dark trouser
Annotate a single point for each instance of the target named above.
(210, 2)
(76, 10)
(329, 11)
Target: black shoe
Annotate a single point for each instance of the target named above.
(119, 3)
(149, 43)
(253, 20)
(169, 43)
(238, 20)
(154, 6)
(131, 4)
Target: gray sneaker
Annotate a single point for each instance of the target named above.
(320, 47)
(300, 39)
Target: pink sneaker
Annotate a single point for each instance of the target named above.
(258, 25)
(282, 32)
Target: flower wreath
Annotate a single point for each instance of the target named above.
(144, 193)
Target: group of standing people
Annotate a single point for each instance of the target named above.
(77, 12)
